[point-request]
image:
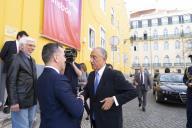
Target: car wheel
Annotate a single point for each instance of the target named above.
(156, 97)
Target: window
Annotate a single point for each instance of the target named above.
(91, 38)
(154, 22)
(189, 44)
(103, 40)
(166, 59)
(144, 23)
(145, 35)
(176, 32)
(187, 18)
(155, 34)
(166, 45)
(187, 30)
(145, 46)
(165, 33)
(112, 17)
(156, 46)
(178, 59)
(103, 4)
(135, 24)
(165, 20)
(175, 19)
(136, 60)
(136, 48)
(177, 44)
(156, 60)
(135, 35)
(146, 60)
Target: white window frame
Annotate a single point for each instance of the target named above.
(175, 19)
(91, 41)
(177, 44)
(103, 5)
(186, 18)
(154, 22)
(103, 37)
(144, 23)
(164, 20)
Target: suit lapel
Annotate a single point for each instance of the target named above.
(102, 81)
(26, 62)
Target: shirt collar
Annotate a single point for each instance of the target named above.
(53, 68)
(101, 70)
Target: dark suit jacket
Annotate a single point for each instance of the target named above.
(21, 81)
(147, 81)
(7, 51)
(112, 83)
(59, 106)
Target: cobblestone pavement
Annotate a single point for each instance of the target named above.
(156, 116)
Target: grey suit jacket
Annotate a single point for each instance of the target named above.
(147, 81)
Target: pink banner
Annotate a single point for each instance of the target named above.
(62, 21)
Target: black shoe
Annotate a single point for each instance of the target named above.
(6, 109)
(143, 109)
(139, 104)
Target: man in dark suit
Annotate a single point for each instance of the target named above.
(187, 79)
(108, 90)
(59, 106)
(143, 83)
(21, 85)
(9, 48)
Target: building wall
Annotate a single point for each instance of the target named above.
(28, 15)
(183, 51)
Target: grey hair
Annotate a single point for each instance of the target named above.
(25, 40)
(103, 52)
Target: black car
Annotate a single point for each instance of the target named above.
(169, 87)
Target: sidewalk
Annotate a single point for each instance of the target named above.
(5, 121)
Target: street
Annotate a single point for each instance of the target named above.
(157, 115)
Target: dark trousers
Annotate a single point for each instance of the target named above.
(87, 108)
(142, 96)
(93, 124)
(189, 108)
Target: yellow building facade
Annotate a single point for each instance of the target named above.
(104, 23)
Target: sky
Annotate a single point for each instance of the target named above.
(133, 5)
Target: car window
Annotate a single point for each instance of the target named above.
(175, 78)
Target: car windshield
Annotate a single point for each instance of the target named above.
(175, 78)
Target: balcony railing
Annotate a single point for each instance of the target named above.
(135, 65)
(156, 64)
(146, 65)
(162, 37)
(167, 64)
(179, 64)
(188, 64)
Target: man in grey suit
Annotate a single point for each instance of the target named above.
(143, 83)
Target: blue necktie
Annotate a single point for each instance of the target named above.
(96, 82)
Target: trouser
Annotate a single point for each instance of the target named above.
(93, 124)
(2, 88)
(189, 108)
(23, 118)
(142, 97)
(87, 108)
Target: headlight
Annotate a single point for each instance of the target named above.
(163, 91)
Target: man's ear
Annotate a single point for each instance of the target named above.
(55, 58)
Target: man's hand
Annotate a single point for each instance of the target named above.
(82, 98)
(15, 108)
(107, 103)
(189, 84)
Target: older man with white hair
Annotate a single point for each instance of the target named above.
(21, 85)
